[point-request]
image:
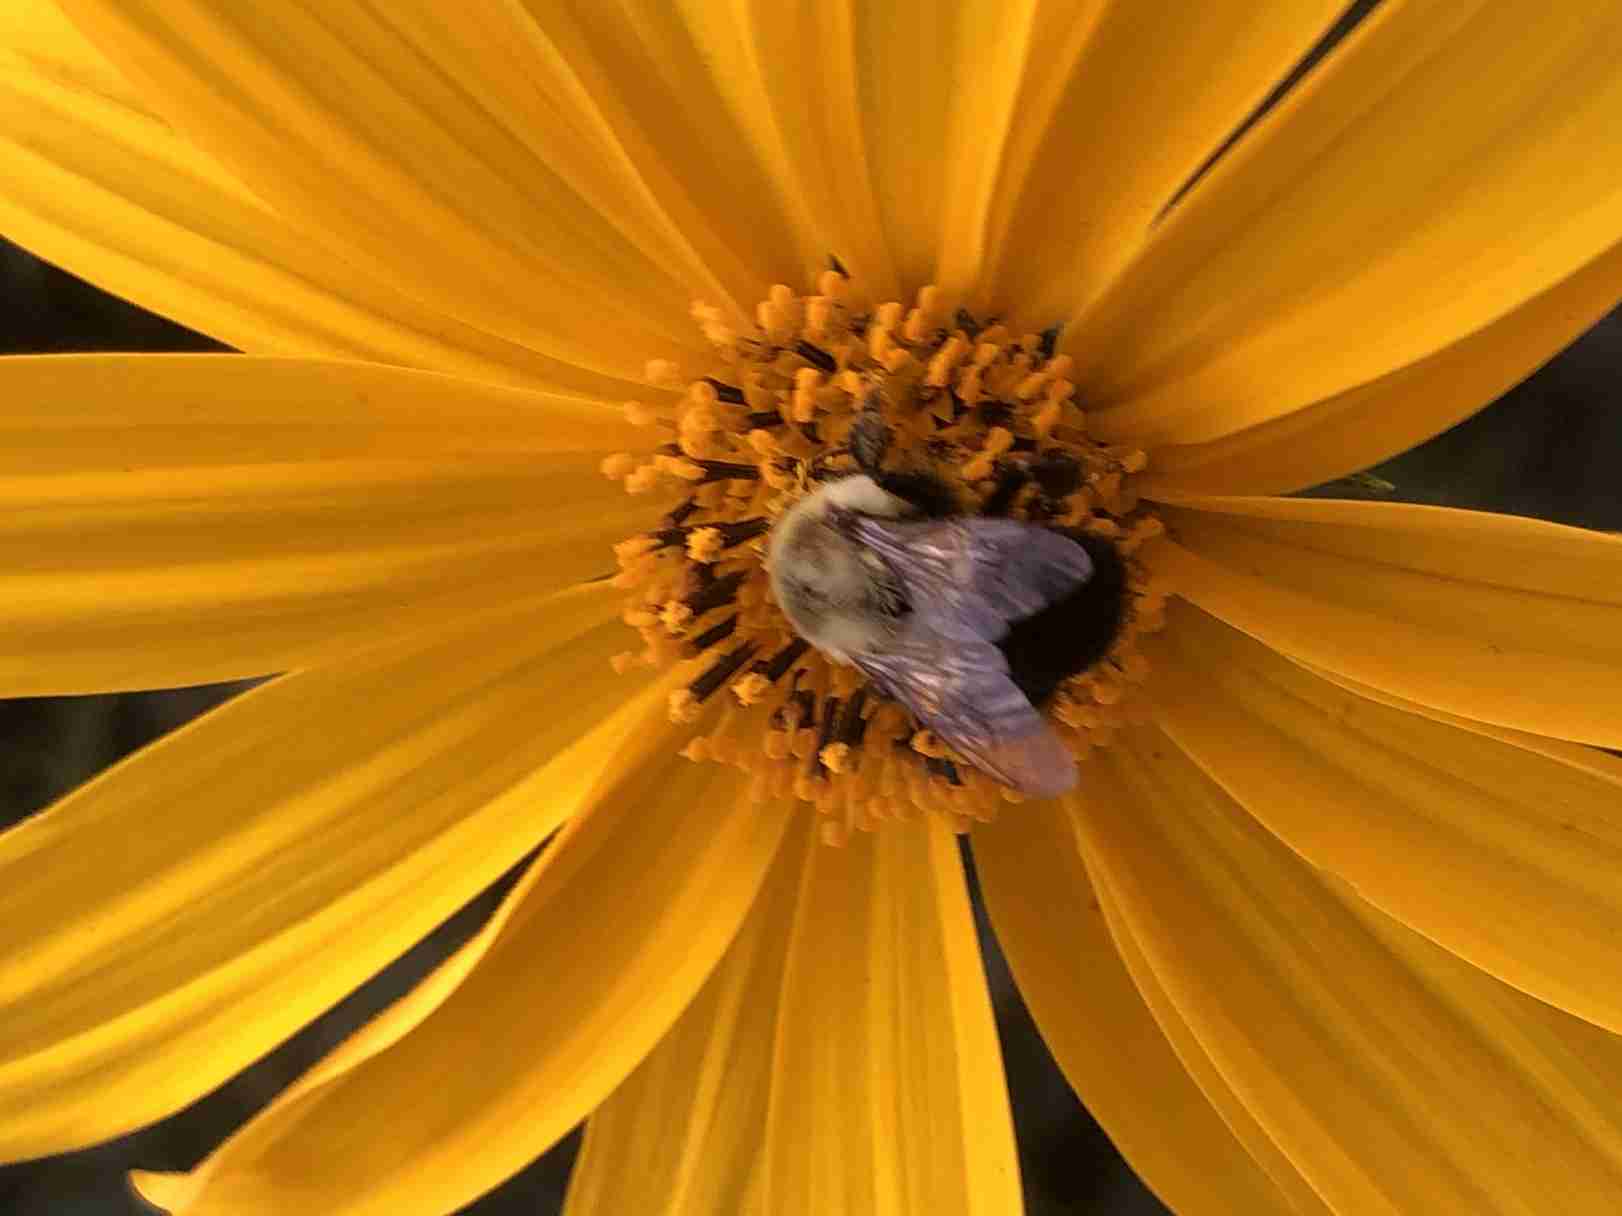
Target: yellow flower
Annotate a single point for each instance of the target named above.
(1333, 927)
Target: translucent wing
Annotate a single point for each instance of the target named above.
(966, 582)
(962, 692)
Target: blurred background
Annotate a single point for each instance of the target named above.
(1549, 449)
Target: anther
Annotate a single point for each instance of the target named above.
(722, 470)
(730, 393)
(715, 593)
(720, 672)
(776, 667)
(714, 634)
(825, 731)
(816, 356)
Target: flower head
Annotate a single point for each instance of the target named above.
(1327, 925)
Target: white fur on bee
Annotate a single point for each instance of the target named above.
(836, 593)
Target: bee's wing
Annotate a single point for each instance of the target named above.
(967, 581)
(973, 578)
(961, 691)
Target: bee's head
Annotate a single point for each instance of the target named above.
(832, 589)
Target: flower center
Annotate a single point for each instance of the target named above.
(976, 422)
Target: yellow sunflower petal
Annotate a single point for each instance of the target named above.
(1573, 755)
(1098, 1027)
(887, 1093)
(1387, 208)
(632, 906)
(1292, 1187)
(1083, 122)
(392, 135)
(806, 60)
(38, 32)
(1388, 1091)
(682, 1136)
(177, 1191)
(1506, 856)
(93, 182)
(178, 519)
(1513, 621)
(644, 123)
(924, 134)
(276, 853)
(1372, 422)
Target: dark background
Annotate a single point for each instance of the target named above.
(1548, 449)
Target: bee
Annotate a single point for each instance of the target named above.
(949, 614)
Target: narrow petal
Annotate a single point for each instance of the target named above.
(1574, 755)
(806, 58)
(178, 519)
(1293, 1187)
(176, 1192)
(1362, 426)
(887, 1093)
(91, 180)
(642, 90)
(279, 851)
(40, 33)
(1506, 856)
(1374, 1063)
(683, 1135)
(1510, 620)
(409, 149)
(1084, 120)
(631, 909)
(1098, 1027)
(925, 133)
(1389, 207)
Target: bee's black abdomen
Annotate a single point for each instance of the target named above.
(1071, 634)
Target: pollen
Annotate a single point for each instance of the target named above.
(994, 415)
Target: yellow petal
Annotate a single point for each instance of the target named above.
(1295, 1191)
(1098, 1027)
(1506, 856)
(1510, 620)
(1445, 164)
(38, 32)
(177, 1191)
(921, 136)
(887, 1091)
(411, 152)
(631, 908)
(1573, 755)
(1389, 1084)
(682, 1136)
(1361, 426)
(800, 64)
(176, 918)
(179, 519)
(1084, 120)
(95, 183)
(644, 124)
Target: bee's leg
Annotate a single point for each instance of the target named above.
(870, 439)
